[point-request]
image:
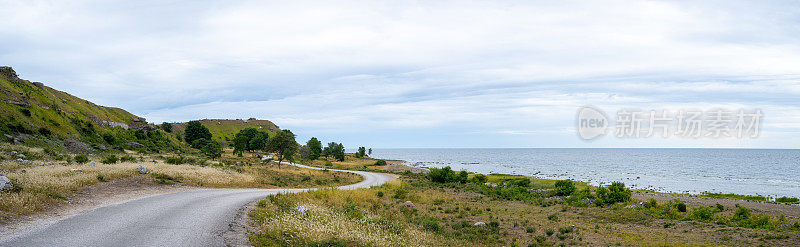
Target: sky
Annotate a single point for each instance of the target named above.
(404, 74)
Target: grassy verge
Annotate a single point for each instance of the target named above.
(536, 214)
(41, 183)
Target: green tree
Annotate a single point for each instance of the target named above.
(369, 152)
(283, 144)
(166, 127)
(336, 150)
(194, 131)
(213, 150)
(314, 148)
(362, 151)
(259, 141)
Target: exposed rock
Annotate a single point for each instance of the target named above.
(144, 127)
(139, 120)
(113, 124)
(8, 71)
(141, 169)
(301, 209)
(5, 183)
(136, 145)
(76, 170)
(480, 223)
(91, 163)
(75, 146)
(408, 204)
(38, 84)
(22, 103)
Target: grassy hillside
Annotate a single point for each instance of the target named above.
(223, 130)
(28, 107)
(34, 113)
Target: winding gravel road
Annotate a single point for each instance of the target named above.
(191, 218)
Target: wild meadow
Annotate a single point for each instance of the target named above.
(448, 208)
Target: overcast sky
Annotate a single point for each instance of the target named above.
(419, 74)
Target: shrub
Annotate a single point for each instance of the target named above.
(703, 213)
(80, 159)
(480, 179)
(787, 200)
(109, 138)
(564, 187)
(681, 207)
(110, 159)
(720, 208)
(380, 194)
(652, 203)
(530, 229)
(213, 150)
(742, 213)
(380, 163)
(127, 158)
(494, 224)
(100, 178)
(553, 217)
(447, 175)
(613, 194)
(549, 232)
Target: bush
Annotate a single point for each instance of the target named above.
(494, 224)
(479, 179)
(549, 232)
(111, 159)
(380, 163)
(703, 213)
(127, 158)
(447, 175)
(553, 217)
(681, 207)
(742, 213)
(80, 159)
(652, 203)
(564, 187)
(529, 230)
(613, 194)
(787, 200)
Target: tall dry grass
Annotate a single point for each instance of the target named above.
(41, 187)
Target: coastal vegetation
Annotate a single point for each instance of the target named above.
(442, 208)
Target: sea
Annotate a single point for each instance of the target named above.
(764, 172)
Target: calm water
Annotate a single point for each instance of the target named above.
(768, 172)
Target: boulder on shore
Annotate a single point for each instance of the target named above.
(5, 183)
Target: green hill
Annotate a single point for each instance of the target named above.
(32, 112)
(223, 130)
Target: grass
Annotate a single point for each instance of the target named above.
(735, 196)
(40, 187)
(445, 214)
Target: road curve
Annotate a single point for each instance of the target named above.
(191, 218)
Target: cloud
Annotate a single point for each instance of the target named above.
(411, 69)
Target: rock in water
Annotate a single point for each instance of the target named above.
(301, 208)
(142, 170)
(5, 183)
(408, 204)
(480, 223)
